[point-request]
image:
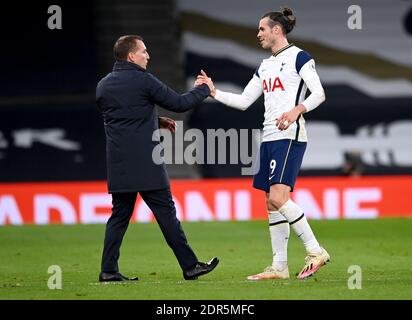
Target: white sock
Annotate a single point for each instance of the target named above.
(294, 214)
(279, 236)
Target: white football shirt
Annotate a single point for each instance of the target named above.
(283, 78)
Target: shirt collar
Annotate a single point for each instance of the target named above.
(282, 49)
(126, 65)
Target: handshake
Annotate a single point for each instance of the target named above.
(203, 78)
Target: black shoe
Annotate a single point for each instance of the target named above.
(115, 276)
(200, 269)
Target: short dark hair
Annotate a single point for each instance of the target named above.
(124, 45)
(284, 18)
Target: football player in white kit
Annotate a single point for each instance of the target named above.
(283, 78)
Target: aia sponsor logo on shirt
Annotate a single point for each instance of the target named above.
(272, 85)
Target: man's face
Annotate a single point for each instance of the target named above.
(140, 56)
(266, 34)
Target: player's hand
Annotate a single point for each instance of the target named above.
(203, 78)
(199, 82)
(167, 123)
(287, 118)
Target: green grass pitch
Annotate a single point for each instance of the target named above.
(381, 248)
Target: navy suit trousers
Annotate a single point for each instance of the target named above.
(163, 208)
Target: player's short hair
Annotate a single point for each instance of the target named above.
(124, 45)
(284, 18)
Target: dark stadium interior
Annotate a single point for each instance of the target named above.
(49, 77)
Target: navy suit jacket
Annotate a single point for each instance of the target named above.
(127, 98)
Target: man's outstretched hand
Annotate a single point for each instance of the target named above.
(203, 78)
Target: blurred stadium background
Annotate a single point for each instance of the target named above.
(357, 168)
(359, 158)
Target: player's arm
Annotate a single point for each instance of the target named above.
(167, 98)
(305, 66)
(310, 77)
(242, 101)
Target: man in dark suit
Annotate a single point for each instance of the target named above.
(127, 98)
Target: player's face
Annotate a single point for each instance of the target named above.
(266, 34)
(140, 56)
